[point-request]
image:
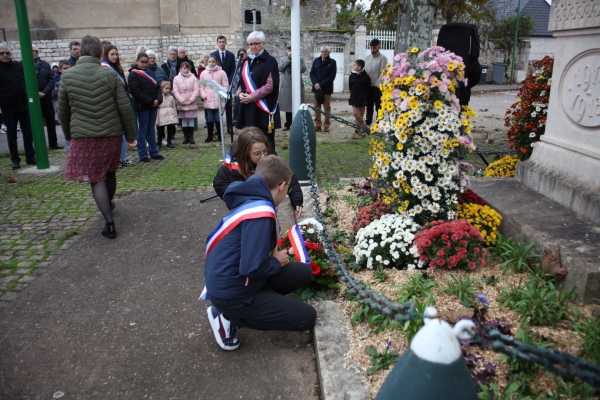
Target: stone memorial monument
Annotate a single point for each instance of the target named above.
(565, 164)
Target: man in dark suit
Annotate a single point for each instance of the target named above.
(45, 81)
(322, 75)
(227, 61)
(15, 109)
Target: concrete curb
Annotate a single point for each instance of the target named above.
(339, 380)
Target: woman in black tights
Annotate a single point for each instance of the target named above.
(94, 111)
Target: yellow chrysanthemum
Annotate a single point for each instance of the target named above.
(438, 104)
(451, 66)
(399, 146)
(414, 50)
(403, 94)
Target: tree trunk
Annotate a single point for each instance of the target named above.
(415, 20)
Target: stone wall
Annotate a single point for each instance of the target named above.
(58, 49)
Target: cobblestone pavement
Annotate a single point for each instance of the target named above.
(41, 214)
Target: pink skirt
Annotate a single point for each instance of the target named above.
(90, 159)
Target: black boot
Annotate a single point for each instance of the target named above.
(218, 126)
(186, 138)
(109, 230)
(209, 130)
(159, 140)
(191, 135)
(170, 140)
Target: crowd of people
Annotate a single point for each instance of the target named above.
(99, 105)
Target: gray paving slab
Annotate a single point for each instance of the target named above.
(121, 318)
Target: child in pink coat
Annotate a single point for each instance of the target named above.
(211, 98)
(186, 91)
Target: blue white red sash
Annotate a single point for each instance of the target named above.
(229, 163)
(251, 87)
(121, 77)
(252, 210)
(297, 241)
(146, 74)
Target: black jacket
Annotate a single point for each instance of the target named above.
(13, 95)
(228, 65)
(463, 40)
(226, 176)
(143, 91)
(360, 86)
(323, 73)
(45, 76)
(250, 114)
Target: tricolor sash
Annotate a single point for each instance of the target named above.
(297, 241)
(146, 74)
(251, 87)
(121, 77)
(229, 163)
(252, 210)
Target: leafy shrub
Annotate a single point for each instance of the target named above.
(516, 255)
(370, 213)
(362, 312)
(463, 287)
(387, 242)
(526, 118)
(538, 301)
(589, 332)
(381, 360)
(451, 244)
(505, 167)
(418, 286)
(485, 219)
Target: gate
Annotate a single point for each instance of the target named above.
(387, 41)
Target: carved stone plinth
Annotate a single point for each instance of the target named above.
(565, 164)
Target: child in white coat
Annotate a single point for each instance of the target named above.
(166, 116)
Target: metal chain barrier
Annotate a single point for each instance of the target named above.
(559, 362)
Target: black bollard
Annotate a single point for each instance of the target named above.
(297, 153)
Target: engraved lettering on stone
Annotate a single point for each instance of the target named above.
(568, 14)
(581, 99)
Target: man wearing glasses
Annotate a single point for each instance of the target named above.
(13, 102)
(259, 90)
(45, 81)
(322, 75)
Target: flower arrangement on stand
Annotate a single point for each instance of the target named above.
(526, 118)
(451, 244)
(505, 167)
(387, 242)
(485, 219)
(422, 126)
(324, 275)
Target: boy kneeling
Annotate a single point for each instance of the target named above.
(247, 278)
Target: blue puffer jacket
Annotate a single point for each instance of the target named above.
(239, 265)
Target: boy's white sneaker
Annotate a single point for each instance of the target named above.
(223, 329)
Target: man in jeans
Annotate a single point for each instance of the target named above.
(13, 102)
(247, 278)
(375, 63)
(322, 75)
(45, 81)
